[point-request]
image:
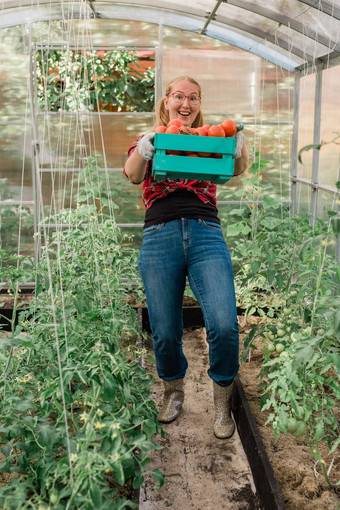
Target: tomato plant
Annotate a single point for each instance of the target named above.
(286, 273)
(77, 420)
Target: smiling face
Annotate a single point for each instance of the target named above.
(185, 111)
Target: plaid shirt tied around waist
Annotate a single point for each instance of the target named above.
(154, 190)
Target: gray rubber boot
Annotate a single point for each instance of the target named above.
(172, 401)
(224, 425)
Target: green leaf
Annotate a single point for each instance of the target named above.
(235, 229)
(337, 322)
(316, 146)
(138, 480)
(271, 223)
(337, 270)
(271, 275)
(46, 435)
(156, 473)
(255, 266)
(302, 356)
(313, 242)
(319, 431)
(335, 445)
(96, 496)
(118, 472)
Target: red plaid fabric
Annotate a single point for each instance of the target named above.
(154, 190)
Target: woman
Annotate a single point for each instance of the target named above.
(182, 238)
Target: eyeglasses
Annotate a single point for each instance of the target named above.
(178, 97)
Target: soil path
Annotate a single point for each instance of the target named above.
(202, 472)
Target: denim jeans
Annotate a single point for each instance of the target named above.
(195, 248)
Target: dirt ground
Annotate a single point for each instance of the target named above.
(202, 472)
(206, 473)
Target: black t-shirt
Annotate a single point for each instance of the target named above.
(179, 204)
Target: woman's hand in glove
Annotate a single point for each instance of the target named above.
(145, 146)
(239, 144)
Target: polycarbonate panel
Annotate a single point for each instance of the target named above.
(34, 11)
(228, 14)
(128, 199)
(329, 158)
(102, 32)
(229, 80)
(67, 143)
(67, 140)
(314, 20)
(326, 202)
(251, 24)
(306, 124)
(14, 71)
(271, 28)
(288, 8)
(61, 191)
(15, 163)
(309, 47)
(270, 143)
(201, 7)
(303, 198)
(173, 38)
(275, 97)
(297, 15)
(16, 229)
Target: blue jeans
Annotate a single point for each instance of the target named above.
(195, 248)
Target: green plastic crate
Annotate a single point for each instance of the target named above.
(166, 166)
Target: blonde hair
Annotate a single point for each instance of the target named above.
(163, 115)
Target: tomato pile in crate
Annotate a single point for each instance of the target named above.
(206, 154)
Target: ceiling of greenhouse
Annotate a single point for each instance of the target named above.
(290, 33)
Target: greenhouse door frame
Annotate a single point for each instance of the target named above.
(36, 112)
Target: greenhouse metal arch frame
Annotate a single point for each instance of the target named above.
(299, 36)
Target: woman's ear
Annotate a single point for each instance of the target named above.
(165, 102)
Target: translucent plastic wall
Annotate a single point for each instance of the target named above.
(328, 171)
(235, 84)
(16, 190)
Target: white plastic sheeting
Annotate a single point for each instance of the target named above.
(290, 33)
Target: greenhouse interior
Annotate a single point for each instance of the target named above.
(80, 386)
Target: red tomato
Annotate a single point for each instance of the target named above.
(216, 131)
(175, 122)
(174, 153)
(172, 130)
(193, 131)
(192, 154)
(205, 154)
(230, 127)
(202, 131)
(160, 129)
